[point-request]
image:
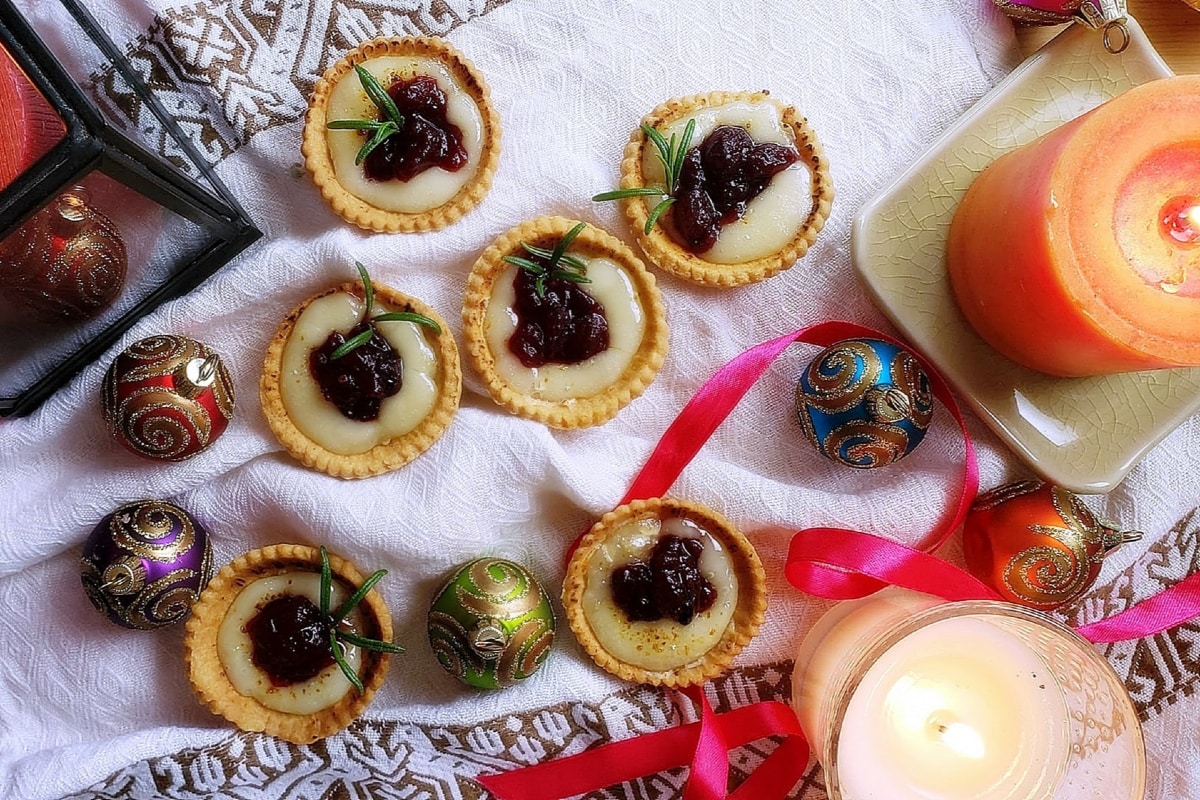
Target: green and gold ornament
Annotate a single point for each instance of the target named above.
(491, 625)
(864, 403)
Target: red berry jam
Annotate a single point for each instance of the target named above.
(289, 637)
(719, 179)
(564, 325)
(358, 382)
(426, 139)
(669, 586)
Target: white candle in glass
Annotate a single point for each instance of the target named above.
(906, 697)
(958, 709)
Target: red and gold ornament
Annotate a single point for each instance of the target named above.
(167, 397)
(1037, 544)
(68, 261)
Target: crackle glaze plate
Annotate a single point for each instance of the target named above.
(1082, 433)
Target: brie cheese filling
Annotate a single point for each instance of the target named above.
(775, 216)
(662, 644)
(319, 419)
(236, 650)
(614, 289)
(433, 187)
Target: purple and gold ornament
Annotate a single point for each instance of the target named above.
(167, 397)
(1037, 544)
(864, 402)
(491, 625)
(145, 564)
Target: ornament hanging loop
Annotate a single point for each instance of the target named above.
(1109, 15)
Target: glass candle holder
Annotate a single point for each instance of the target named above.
(108, 208)
(905, 697)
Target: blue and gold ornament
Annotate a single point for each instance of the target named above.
(864, 403)
(491, 625)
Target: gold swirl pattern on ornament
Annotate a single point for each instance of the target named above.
(140, 527)
(1044, 575)
(511, 658)
(1002, 494)
(910, 378)
(222, 391)
(538, 649)
(841, 378)
(508, 597)
(449, 638)
(159, 355)
(163, 602)
(150, 418)
(1083, 522)
(865, 444)
(95, 258)
(90, 574)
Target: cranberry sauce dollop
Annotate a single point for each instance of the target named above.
(566, 325)
(719, 179)
(426, 139)
(669, 586)
(358, 382)
(289, 637)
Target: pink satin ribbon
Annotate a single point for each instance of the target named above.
(704, 744)
(833, 563)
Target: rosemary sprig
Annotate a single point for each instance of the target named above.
(556, 263)
(358, 340)
(380, 129)
(339, 636)
(670, 155)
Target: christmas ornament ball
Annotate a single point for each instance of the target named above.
(1037, 544)
(864, 403)
(492, 624)
(67, 262)
(167, 397)
(145, 564)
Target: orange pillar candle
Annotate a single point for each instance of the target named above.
(1079, 253)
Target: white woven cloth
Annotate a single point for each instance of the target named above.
(86, 704)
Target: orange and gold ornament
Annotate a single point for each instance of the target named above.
(1037, 544)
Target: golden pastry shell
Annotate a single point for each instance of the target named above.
(576, 412)
(319, 163)
(667, 254)
(207, 674)
(747, 617)
(385, 456)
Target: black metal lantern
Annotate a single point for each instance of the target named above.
(101, 218)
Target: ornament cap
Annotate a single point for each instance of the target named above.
(1113, 537)
(887, 403)
(488, 639)
(196, 375)
(1108, 15)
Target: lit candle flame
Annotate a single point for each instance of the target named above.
(1180, 219)
(924, 709)
(960, 737)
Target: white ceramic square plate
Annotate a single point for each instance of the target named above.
(1082, 433)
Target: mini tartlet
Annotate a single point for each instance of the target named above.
(432, 199)
(664, 651)
(778, 226)
(314, 431)
(217, 650)
(566, 395)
